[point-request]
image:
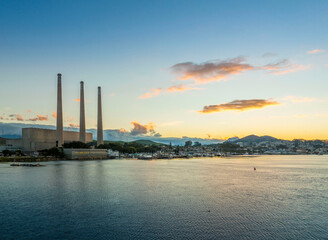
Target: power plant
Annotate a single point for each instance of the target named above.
(36, 139)
(82, 134)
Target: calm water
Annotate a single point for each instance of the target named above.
(217, 198)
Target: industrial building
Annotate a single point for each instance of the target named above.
(35, 139)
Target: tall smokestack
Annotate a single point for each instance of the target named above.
(82, 113)
(99, 123)
(60, 139)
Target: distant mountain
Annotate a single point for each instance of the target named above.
(254, 138)
(233, 139)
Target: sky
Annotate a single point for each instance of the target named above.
(205, 69)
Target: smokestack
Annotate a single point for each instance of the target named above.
(82, 113)
(59, 112)
(99, 123)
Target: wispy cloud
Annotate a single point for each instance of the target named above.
(38, 118)
(284, 67)
(298, 99)
(216, 71)
(152, 93)
(210, 71)
(239, 105)
(315, 51)
(19, 117)
(182, 88)
(177, 88)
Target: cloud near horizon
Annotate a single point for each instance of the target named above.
(73, 125)
(239, 105)
(142, 129)
(39, 118)
(216, 71)
(19, 117)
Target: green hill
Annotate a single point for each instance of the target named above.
(2, 141)
(254, 138)
(147, 142)
(141, 142)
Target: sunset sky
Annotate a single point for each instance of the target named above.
(208, 69)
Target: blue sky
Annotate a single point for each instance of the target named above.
(129, 47)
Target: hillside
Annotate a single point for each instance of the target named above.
(2, 141)
(147, 142)
(254, 138)
(141, 142)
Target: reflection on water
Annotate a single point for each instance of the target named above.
(217, 198)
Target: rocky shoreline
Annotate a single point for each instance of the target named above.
(29, 159)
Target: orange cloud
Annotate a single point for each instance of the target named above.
(181, 88)
(19, 117)
(139, 129)
(78, 100)
(210, 71)
(42, 118)
(239, 105)
(54, 114)
(216, 71)
(122, 130)
(153, 93)
(39, 118)
(314, 51)
(72, 125)
(28, 110)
